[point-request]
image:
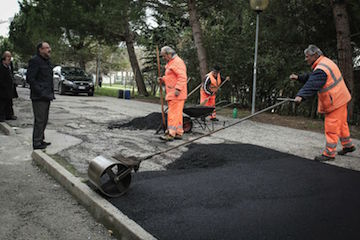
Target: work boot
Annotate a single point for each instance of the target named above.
(178, 137)
(324, 158)
(167, 137)
(346, 150)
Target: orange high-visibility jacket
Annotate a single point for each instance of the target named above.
(175, 78)
(334, 93)
(214, 83)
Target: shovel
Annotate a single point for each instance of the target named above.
(129, 163)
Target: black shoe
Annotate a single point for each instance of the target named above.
(346, 150)
(39, 146)
(46, 143)
(323, 158)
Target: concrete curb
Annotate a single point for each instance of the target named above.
(6, 129)
(101, 209)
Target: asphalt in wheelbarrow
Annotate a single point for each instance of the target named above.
(241, 191)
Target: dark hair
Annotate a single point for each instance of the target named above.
(216, 68)
(39, 46)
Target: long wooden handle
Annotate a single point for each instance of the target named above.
(194, 90)
(161, 91)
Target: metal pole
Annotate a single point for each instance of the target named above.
(255, 61)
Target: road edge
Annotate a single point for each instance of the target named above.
(100, 208)
(6, 129)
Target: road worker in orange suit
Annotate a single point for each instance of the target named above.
(333, 96)
(209, 87)
(175, 81)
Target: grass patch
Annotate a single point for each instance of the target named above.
(68, 166)
(107, 91)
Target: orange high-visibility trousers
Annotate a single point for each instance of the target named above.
(336, 127)
(175, 117)
(209, 101)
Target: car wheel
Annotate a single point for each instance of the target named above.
(61, 89)
(91, 93)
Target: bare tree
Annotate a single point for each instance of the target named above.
(344, 45)
(197, 34)
(129, 39)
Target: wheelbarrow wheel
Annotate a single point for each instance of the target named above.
(187, 124)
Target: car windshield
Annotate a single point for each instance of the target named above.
(72, 71)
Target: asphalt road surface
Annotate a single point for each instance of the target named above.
(242, 191)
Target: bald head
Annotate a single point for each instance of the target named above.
(6, 58)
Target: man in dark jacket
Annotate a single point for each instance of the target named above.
(9, 108)
(40, 78)
(6, 86)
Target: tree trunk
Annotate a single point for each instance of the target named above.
(129, 38)
(344, 46)
(196, 29)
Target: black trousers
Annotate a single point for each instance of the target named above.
(9, 109)
(4, 108)
(41, 116)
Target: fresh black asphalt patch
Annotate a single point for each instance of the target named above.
(241, 191)
(151, 121)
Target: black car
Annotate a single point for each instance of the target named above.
(72, 80)
(20, 77)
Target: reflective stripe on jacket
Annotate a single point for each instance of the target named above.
(211, 84)
(175, 78)
(334, 93)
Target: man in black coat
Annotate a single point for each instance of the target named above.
(40, 78)
(6, 86)
(9, 109)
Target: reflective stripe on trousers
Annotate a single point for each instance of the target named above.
(336, 127)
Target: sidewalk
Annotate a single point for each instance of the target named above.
(32, 204)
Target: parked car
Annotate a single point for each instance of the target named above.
(73, 80)
(20, 77)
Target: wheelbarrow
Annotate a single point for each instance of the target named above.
(192, 114)
(113, 177)
(196, 114)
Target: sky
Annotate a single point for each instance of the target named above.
(7, 11)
